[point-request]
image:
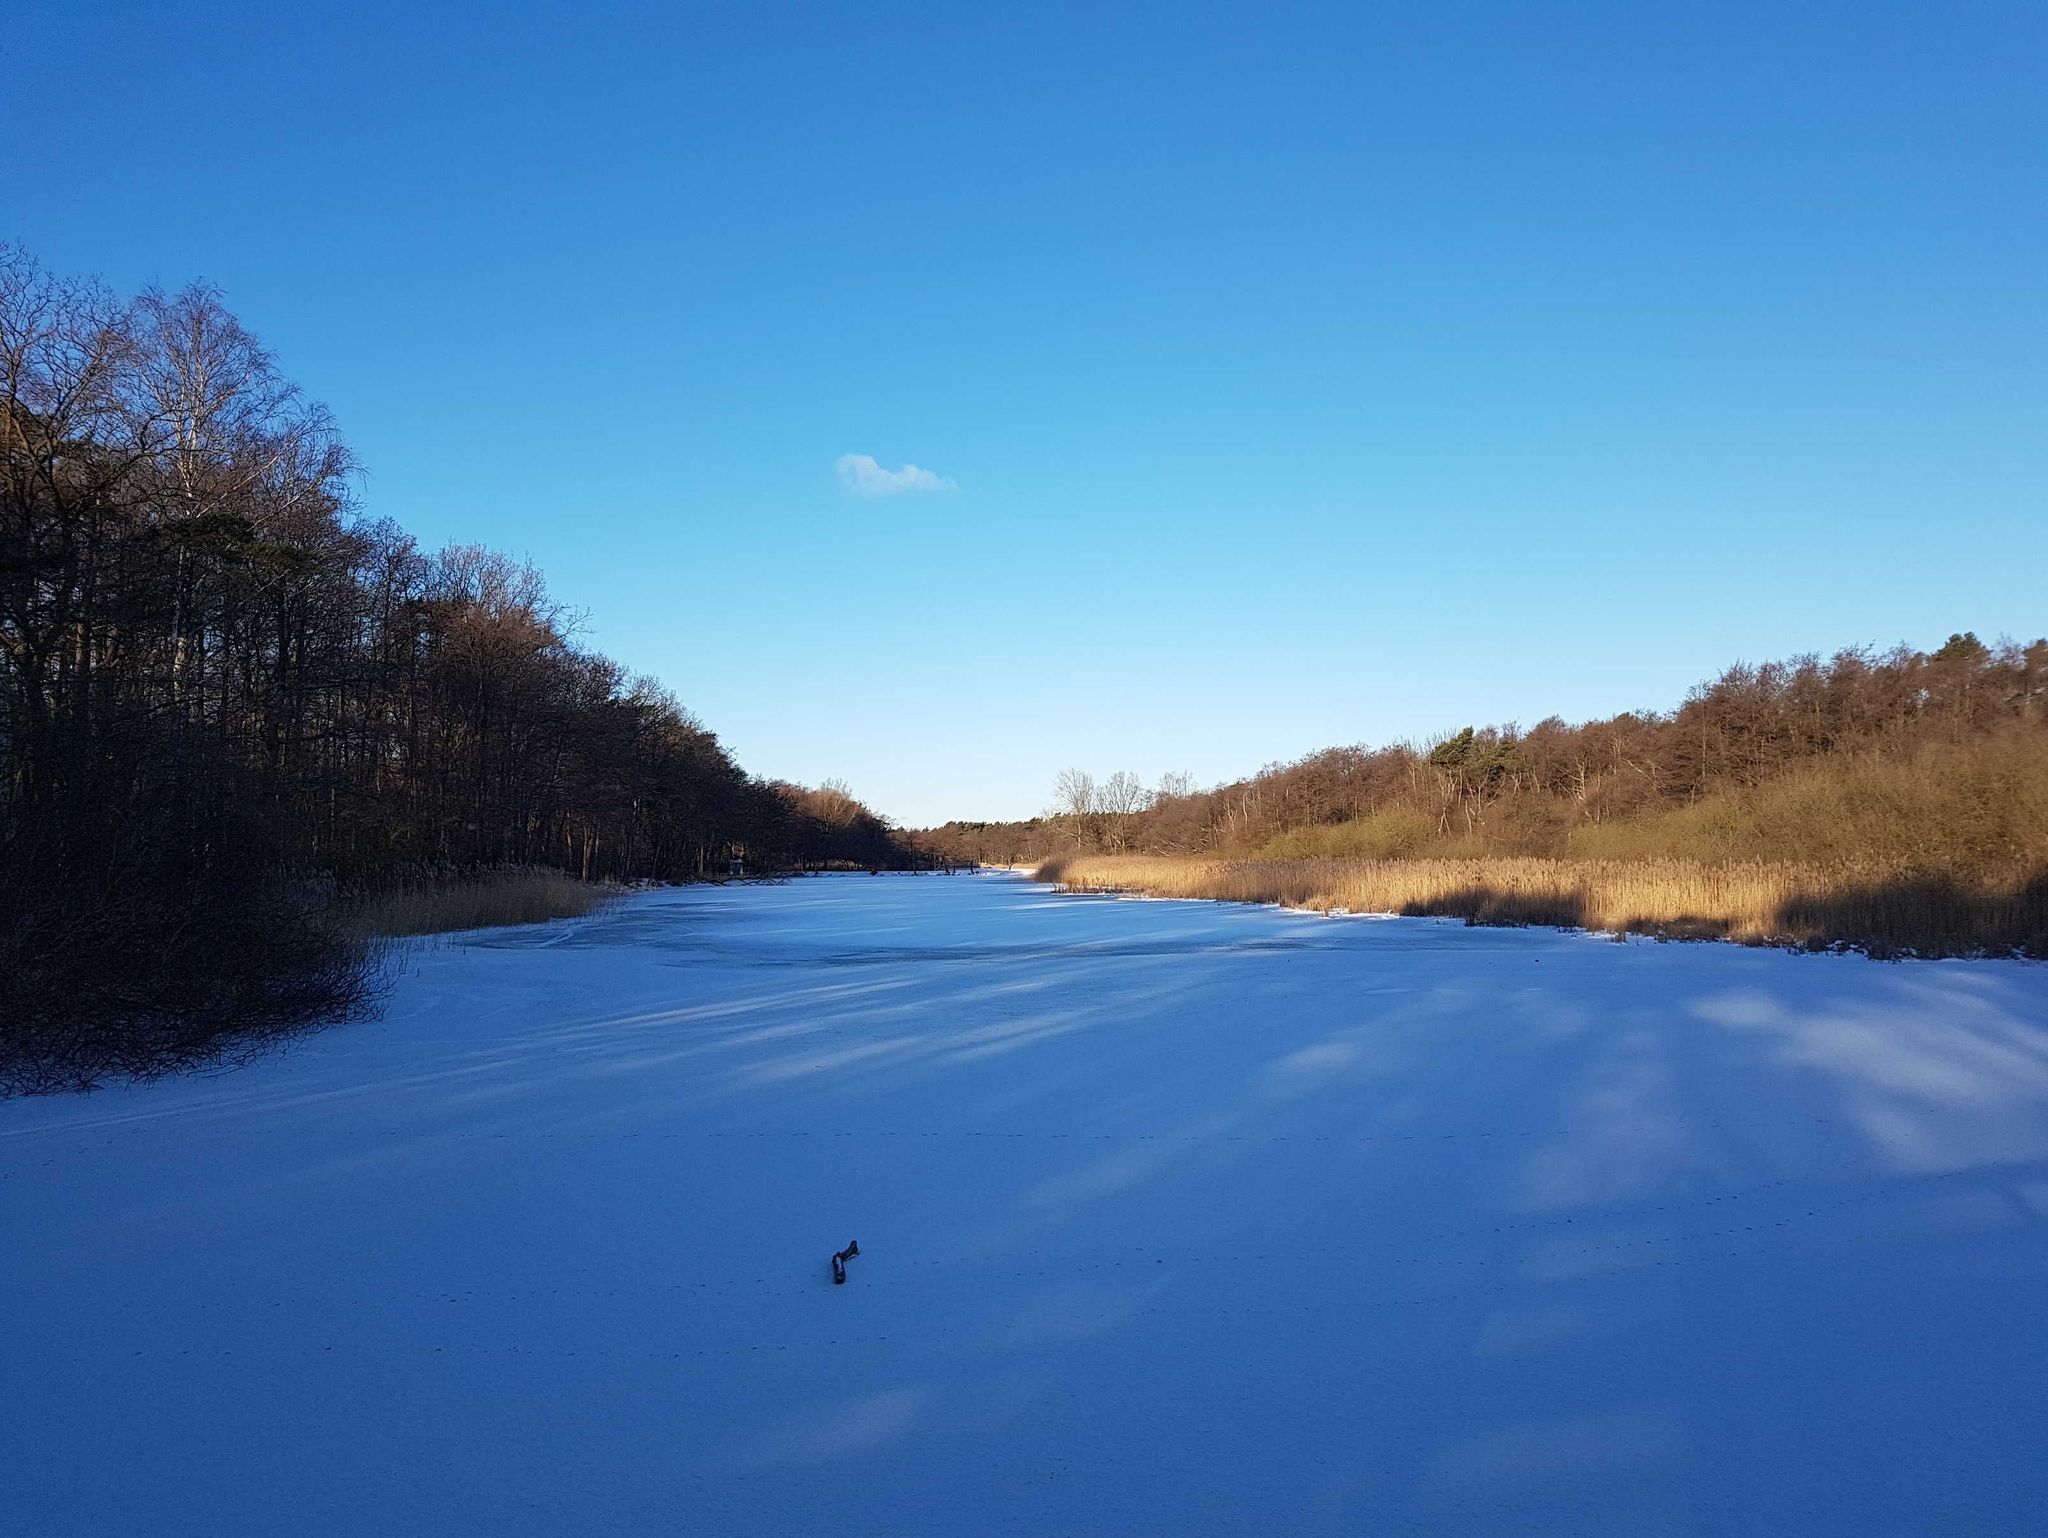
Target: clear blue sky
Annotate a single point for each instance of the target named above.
(1302, 374)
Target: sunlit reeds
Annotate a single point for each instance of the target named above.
(445, 901)
(1756, 903)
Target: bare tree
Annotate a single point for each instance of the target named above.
(1121, 794)
(1173, 785)
(1119, 799)
(1073, 793)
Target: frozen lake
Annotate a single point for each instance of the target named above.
(1174, 1218)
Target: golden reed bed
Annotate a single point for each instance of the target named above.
(1887, 915)
(447, 902)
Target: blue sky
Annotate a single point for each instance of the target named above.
(1287, 375)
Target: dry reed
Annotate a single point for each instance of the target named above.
(445, 902)
(1757, 904)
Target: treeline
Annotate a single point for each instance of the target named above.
(1877, 762)
(227, 697)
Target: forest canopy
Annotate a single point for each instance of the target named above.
(1874, 761)
(229, 694)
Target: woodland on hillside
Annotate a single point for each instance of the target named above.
(1887, 773)
(228, 700)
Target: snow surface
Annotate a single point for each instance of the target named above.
(1174, 1218)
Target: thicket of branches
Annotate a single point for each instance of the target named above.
(221, 687)
(1934, 761)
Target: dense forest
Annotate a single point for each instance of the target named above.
(229, 699)
(1883, 771)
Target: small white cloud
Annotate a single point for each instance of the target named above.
(860, 476)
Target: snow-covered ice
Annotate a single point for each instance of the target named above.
(1174, 1218)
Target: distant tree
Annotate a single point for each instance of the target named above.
(1122, 794)
(1073, 793)
(1453, 751)
(1962, 647)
